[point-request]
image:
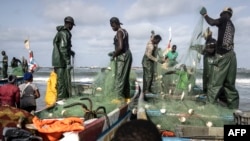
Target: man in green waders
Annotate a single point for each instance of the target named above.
(148, 63)
(225, 63)
(61, 57)
(123, 60)
(5, 65)
(208, 52)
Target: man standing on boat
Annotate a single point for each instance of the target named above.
(15, 62)
(123, 60)
(171, 56)
(5, 65)
(225, 63)
(61, 57)
(148, 63)
(208, 52)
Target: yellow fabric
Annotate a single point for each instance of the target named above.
(51, 91)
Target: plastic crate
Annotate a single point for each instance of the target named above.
(242, 118)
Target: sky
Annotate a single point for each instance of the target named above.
(92, 37)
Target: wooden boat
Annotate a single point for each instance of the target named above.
(100, 126)
(107, 113)
(18, 72)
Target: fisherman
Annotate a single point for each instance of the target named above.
(208, 52)
(61, 57)
(123, 60)
(148, 63)
(4, 65)
(14, 62)
(225, 63)
(171, 56)
(10, 93)
(25, 66)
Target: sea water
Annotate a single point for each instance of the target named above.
(88, 74)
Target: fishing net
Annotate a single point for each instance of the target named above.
(168, 113)
(176, 93)
(73, 107)
(182, 76)
(18, 71)
(105, 82)
(100, 93)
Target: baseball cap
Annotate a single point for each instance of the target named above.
(115, 20)
(27, 76)
(69, 19)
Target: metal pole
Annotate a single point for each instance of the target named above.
(73, 74)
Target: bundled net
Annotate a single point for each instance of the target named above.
(177, 99)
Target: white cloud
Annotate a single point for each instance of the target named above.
(93, 36)
(83, 12)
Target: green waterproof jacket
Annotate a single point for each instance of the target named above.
(62, 47)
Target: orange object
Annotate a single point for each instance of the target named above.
(53, 129)
(166, 133)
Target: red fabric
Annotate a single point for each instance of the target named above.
(9, 95)
(169, 45)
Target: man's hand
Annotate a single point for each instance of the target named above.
(203, 11)
(160, 61)
(72, 53)
(111, 54)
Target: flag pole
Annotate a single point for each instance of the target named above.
(168, 48)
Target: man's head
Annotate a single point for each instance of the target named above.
(174, 48)
(115, 23)
(137, 130)
(69, 22)
(28, 76)
(227, 10)
(3, 52)
(11, 79)
(157, 39)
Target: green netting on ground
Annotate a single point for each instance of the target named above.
(101, 93)
(18, 71)
(169, 112)
(59, 110)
